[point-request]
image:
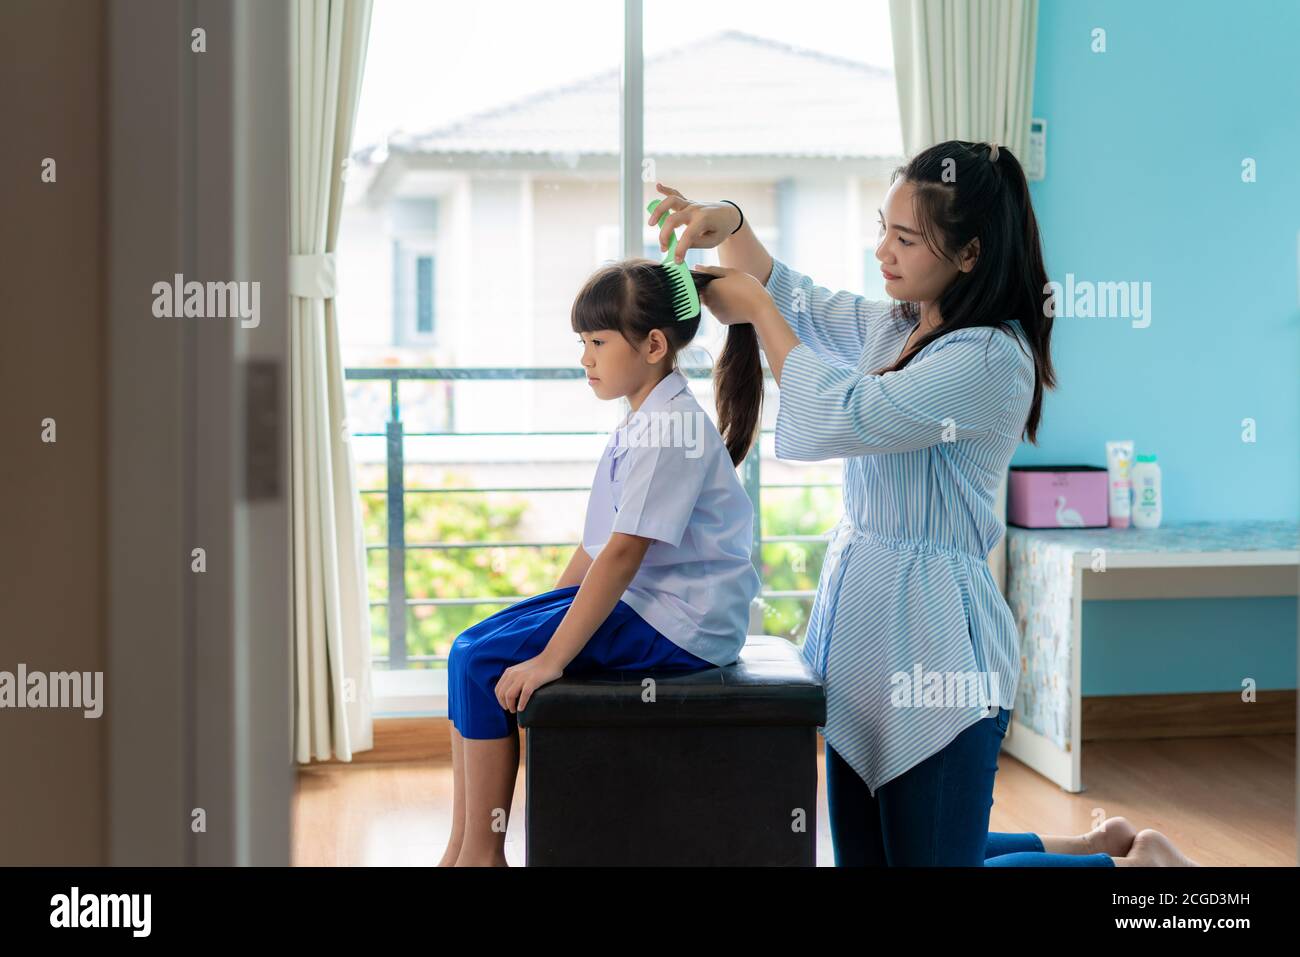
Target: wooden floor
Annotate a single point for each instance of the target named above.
(1224, 801)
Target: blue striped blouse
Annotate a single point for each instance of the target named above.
(908, 631)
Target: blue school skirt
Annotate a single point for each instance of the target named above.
(520, 632)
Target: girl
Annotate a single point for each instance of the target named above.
(925, 399)
(663, 579)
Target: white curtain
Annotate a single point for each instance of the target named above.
(331, 620)
(964, 70)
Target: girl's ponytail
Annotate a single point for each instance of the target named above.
(738, 391)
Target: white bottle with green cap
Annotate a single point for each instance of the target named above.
(1147, 497)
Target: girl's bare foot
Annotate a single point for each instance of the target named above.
(1114, 836)
(1152, 849)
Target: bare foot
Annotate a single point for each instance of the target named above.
(1152, 849)
(1114, 836)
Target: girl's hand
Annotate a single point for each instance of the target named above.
(735, 296)
(707, 224)
(518, 682)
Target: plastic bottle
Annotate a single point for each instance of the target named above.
(1119, 481)
(1147, 496)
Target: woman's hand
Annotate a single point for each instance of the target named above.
(736, 296)
(518, 682)
(707, 224)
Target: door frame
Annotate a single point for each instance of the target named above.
(198, 663)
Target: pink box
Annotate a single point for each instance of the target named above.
(1057, 496)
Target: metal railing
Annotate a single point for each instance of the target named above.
(395, 435)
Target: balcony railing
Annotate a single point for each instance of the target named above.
(395, 490)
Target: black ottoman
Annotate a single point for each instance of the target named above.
(720, 769)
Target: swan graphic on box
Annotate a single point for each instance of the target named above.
(1057, 496)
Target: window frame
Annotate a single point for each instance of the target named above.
(408, 249)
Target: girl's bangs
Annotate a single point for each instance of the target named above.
(600, 303)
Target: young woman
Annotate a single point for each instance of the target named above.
(663, 579)
(925, 399)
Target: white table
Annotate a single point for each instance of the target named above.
(1051, 572)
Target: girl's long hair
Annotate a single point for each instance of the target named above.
(633, 296)
(960, 195)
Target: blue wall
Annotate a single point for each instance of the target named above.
(1144, 151)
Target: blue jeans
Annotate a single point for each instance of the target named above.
(936, 813)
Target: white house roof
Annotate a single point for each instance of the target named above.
(731, 94)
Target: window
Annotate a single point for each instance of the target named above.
(414, 287)
(424, 295)
(486, 187)
(608, 245)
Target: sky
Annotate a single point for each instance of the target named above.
(431, 62)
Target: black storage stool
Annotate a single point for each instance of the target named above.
(720, 769)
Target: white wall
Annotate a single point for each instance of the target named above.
(365, 280)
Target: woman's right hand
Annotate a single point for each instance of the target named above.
(707, 224)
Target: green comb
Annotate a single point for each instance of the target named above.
(686, 298)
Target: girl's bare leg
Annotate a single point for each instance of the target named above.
(1114, 836)
(457, 800)
(489, 768)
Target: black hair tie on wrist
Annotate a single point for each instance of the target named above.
(742, 216)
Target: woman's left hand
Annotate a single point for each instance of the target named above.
(518, 682)
(735, 296)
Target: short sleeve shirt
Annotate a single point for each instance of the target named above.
(666, 475)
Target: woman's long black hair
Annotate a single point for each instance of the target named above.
(960, 195)
(633, 297)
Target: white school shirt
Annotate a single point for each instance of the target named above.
(905, 588)
(666, 475)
